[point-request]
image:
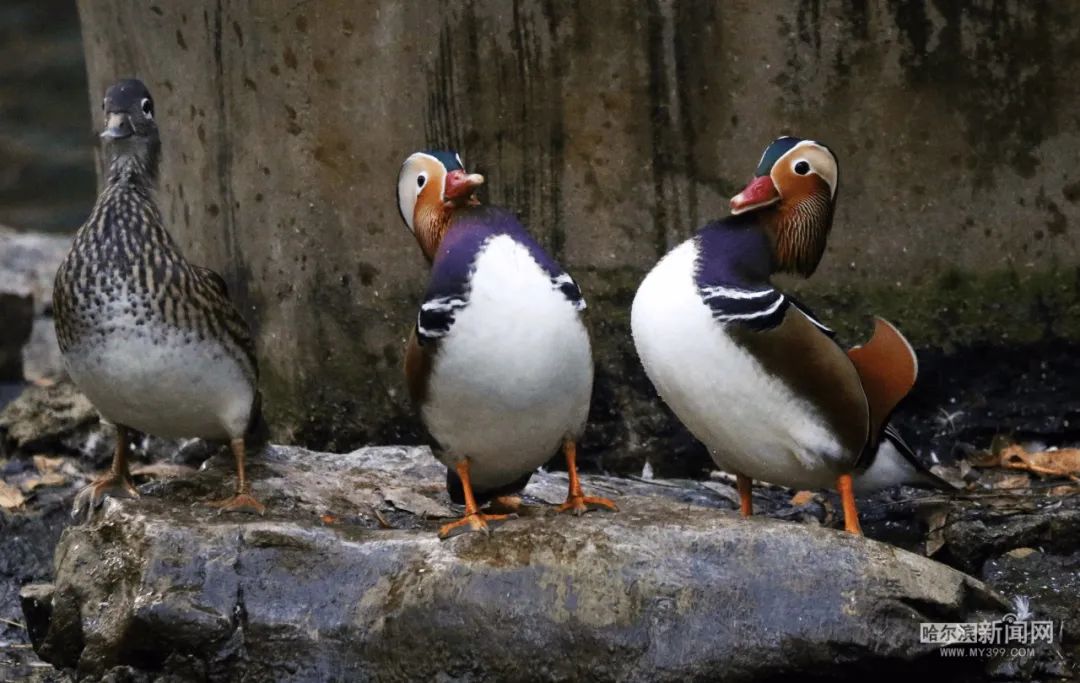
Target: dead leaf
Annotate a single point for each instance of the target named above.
(329, 519)
(162, 470)
(1064, 462)
(1021, 553)
(45, 464)
(802, 498)
(48, 479)
(935, 538)
(1013, 481)
(1063, 490)
(10, 497)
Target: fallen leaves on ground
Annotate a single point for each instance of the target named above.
(162, 470)
(802, 498)
(44, 464)
(10, 497)
(1063, 462)
(47, 479)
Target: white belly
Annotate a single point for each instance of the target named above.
(513, 377)
(751, 422)
(159, 381)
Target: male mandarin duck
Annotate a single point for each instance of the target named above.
(751, 372)
(151, 339)
(499, 363)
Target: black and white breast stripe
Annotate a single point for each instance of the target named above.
(565, 284)
(437, 315)
(759, 309)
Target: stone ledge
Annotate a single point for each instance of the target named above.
(670, 588)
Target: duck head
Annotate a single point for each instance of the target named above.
(431, 186)
(794, 192)
(131, 133)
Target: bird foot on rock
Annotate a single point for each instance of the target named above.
(477, 521)
(579, 504)
(241, 502)
(91, 497)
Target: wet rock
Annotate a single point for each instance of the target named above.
(1048, 586)
(51, 418)
(17, 314)
(28, 261)
(41, 359)
(27, 539)
(36, 603)
(668, 589)
(990, 525)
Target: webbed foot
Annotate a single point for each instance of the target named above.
(93, 495)
(241, 502)
(476, 521)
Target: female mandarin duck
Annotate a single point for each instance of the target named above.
(749, 371)
(499, 362)
(152, 340)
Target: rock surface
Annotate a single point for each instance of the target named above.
(345, 579)
(28, 263)
(17, 314)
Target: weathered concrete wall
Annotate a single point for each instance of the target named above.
(46, 150)
(614, 129)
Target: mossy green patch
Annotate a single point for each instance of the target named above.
(958, 308)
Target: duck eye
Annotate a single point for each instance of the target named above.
(420, 180)
(802, 167)
(148, 108)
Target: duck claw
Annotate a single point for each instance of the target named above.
(93, 495)
(579, 505)
(241, 502)
(478, 521)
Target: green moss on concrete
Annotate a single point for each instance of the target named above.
(958, 308)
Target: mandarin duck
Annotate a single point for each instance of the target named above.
(151, 339)
(748, 369)
(499, 362)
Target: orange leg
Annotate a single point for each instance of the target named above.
(117, 483)
(577, 502)
(847, 498)
(746, 500)
(474, 520)
(243, 501)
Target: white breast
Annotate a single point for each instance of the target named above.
(750, 421)
(513, 376)
(161, 380)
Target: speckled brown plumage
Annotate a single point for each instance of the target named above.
(124, 248)
(152, 340)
